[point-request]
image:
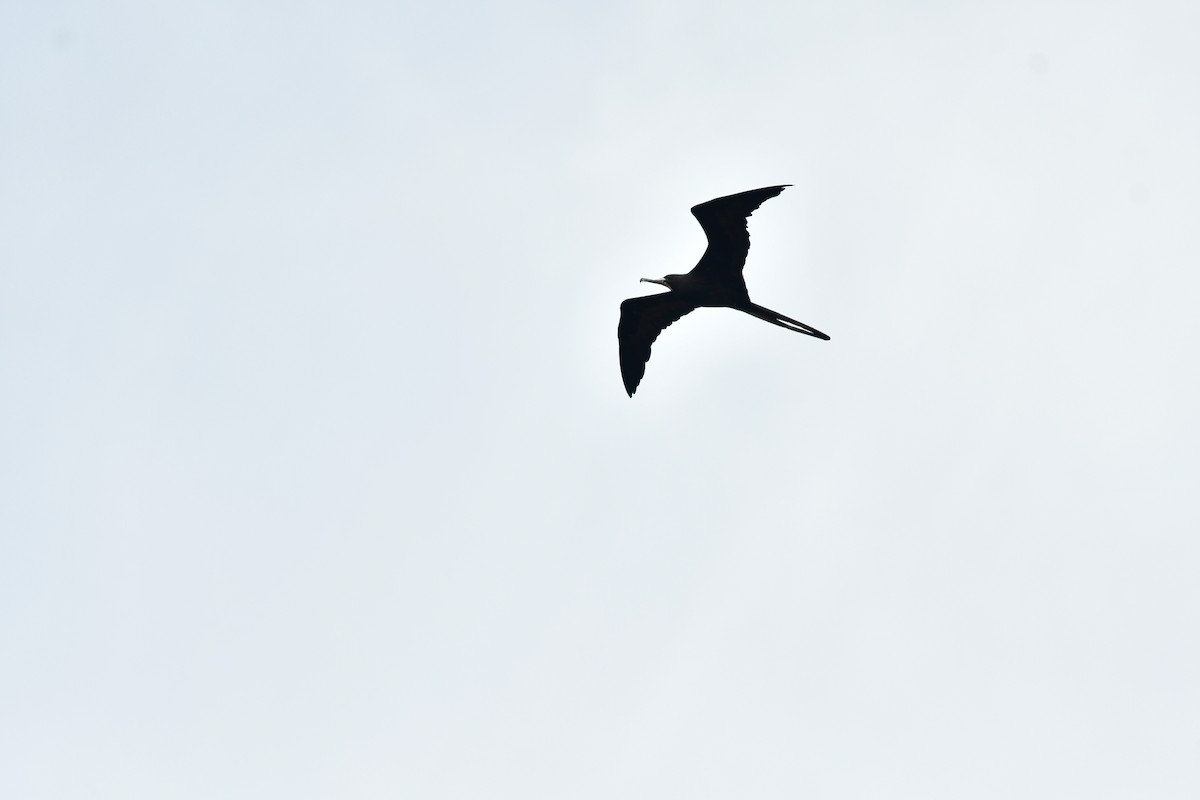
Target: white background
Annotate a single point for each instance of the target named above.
(317, 478)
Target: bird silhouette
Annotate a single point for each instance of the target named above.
(716, 281)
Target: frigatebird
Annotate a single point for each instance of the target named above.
(715, 282)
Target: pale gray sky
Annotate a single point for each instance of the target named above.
(317, 477)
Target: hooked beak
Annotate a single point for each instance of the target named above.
(659, 281)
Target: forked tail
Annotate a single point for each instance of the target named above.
(776, 318)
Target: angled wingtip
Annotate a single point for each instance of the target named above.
(630, 379)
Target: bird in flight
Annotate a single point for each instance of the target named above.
(716, 281)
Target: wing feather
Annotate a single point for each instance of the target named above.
(724, 223)
(642, 320)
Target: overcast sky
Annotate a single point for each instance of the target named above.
(318, 480)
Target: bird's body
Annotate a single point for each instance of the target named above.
(716, 281)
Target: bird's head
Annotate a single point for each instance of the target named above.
(667, 281)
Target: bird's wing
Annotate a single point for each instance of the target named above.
(642, 320)
(724, 223)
